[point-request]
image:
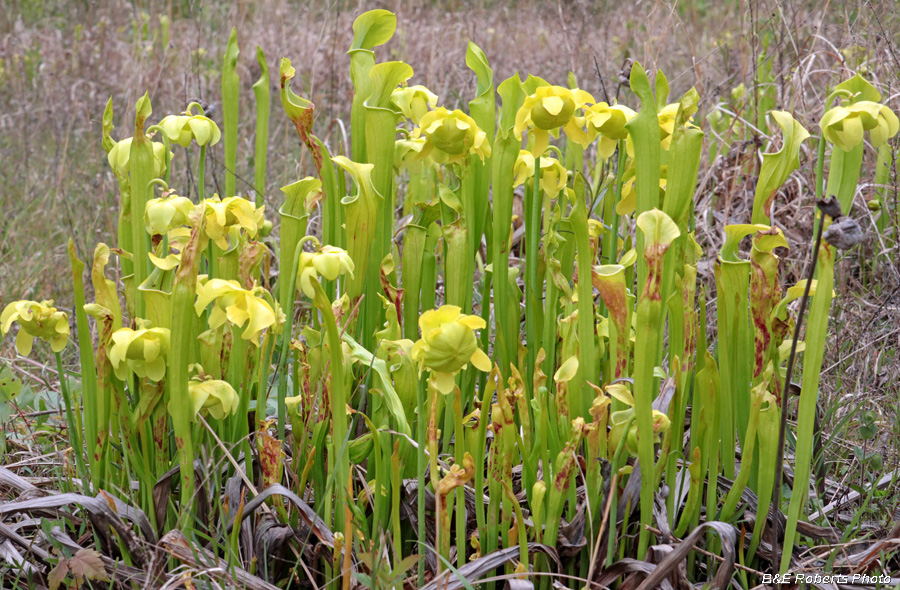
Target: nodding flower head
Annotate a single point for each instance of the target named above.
(619, 420)
(142, 351)
(36, 320)
(667, 118)
(166, 213)
(239, 306)
(232, 212)
(182, 129)
(119, 158)
(407, 154)
(213, 396)
(845, 125)
(450, 137)
(550, 109)
(328, 262)
(178, 239)
(553, 175)
(414, 101)
(448, 344)
(609, 123)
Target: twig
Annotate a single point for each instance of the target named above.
(602, 83)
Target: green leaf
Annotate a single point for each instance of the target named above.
(477, 61)
(361, 210)
(813, 356)
(295, 106)
(512, 95)
(10, 385)
(645, 135)
(230, 90)
(143, 109)
(483, 109)
(532, 83)
(108, 126)
(389, 394)
(373, 28)
(294, 216)
(662, 90)
(385, 77)
(777, 166)
(733, 235)
(859, 89)
(658, 228)
(261, 90)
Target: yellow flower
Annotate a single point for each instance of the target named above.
(608, 122)
(414, 101)
(213, 395)
(549, 109)
(238, 305)
(629, 195)
(167, 213)
(36, 320)
(618, 421)
(225, 214)
(327, 261)
(119, 158)
(181, 129)
(140, 351)
(450, 137)
(553, 174)
(448, 344)
(844, 125)
(178, 239)
(407, 154)
(668, 114)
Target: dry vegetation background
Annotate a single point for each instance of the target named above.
(61, 60)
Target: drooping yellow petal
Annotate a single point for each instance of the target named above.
(481, 361)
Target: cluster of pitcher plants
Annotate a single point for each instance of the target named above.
(430, 379)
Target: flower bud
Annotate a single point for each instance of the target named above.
(167, 213)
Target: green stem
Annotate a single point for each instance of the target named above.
(338, 404)
(73, 420)
(460, 452)
(420, 471)
(201, 175)
(533, 291)
(179, 359)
